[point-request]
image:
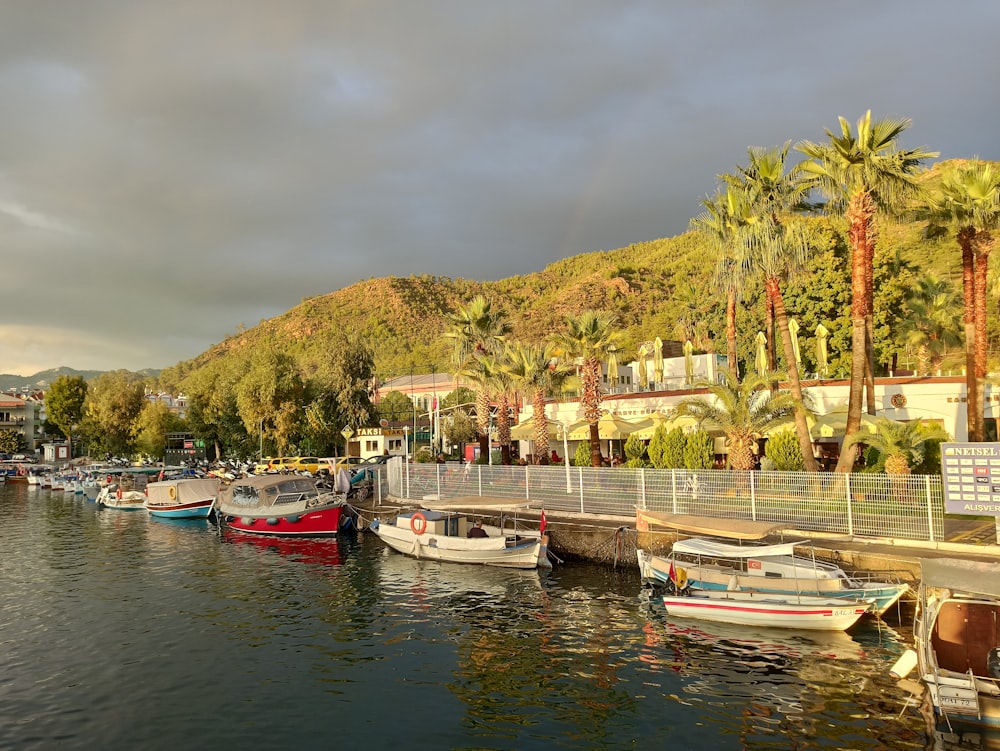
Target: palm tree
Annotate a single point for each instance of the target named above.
(590, 338)
(777, 247)
(731, 271)
(537, 372)
(744, 410)
(902, 443)
(970, 200)
(932, 313)
(476, 330)
(863, 173)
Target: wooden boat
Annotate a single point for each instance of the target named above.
(182, 498)
(749, 565)
(957, 639)
(773, 610)
(715, 565)
(287, 505)
(442, 534)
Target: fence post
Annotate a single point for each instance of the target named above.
(527, 495)
(479, 479)
(930, 513)
(642, 486)
(437, 475)
(753, 495)
(581, 490)
(673, 489)
(850, 503)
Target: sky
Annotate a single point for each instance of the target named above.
(173, 171)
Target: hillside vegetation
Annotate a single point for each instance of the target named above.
(657, 288)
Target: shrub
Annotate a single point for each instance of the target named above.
(784, 452)
(700, 451)
(635, 448)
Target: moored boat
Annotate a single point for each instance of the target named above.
(957, 639)
(443, 534)
(286, 505)
(124, 491)
(774, 610)
(182, 498)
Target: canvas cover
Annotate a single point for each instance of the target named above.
(712, 549)
(187, 491)
(959, 575)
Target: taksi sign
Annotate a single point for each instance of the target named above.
(970, 478)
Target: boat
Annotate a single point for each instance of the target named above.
(770, 609)
(755, 566)
(182, 498)
(124, 491)
(442, 534)
(956, 632)
(287, 505)
(713, 565)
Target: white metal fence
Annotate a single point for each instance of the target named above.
(864, 505)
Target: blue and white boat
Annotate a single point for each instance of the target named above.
(182, 498)
(712, 565)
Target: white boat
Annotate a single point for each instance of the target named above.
(442, 534)
(773, 610)
(957, 639)
(124, 491)
(714, 565)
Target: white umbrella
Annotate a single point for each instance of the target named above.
(658, 360)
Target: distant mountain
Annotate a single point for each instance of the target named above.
(44, 378)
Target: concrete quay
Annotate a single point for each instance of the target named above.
(612, 539)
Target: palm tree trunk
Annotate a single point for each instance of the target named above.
(860, 211)
(801, 426)
(541, 427)
(966, 237)
(482, 423)
(731, 332)
(869, 364)
(984, 244)
(503, 428)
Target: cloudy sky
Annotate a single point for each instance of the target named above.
(172, 170)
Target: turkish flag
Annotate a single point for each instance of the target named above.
(541, 523)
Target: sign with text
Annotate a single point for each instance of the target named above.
(971, 478)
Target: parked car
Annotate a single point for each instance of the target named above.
(272, 464)
(304, 464)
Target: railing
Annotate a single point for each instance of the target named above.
(863, 505)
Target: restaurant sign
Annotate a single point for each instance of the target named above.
(971, 478)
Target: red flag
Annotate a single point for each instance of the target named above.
(541, 523)
(671, 574)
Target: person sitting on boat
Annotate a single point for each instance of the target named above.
(477, 530)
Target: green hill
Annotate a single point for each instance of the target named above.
(656, 288)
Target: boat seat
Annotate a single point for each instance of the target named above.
(993, 663)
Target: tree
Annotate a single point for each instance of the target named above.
(744, 410)
(932, 322)
(476, 330)
(396, 407)
(537, 373)
(969, 200)
(776, 246)
(784, 451)
(863, 174)
(635, 449)
(590, 338)
(152, 426)
(269, 398)
(114, 401)
(901, 443)
(64, 403)
(11, 441)
(340, 395)
(699, 450)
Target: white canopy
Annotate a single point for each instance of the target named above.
(960, 575)
(709, 548)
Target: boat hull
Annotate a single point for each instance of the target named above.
(773, 611)
(321, 522)
(195, 510)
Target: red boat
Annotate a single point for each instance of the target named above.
(280, 505)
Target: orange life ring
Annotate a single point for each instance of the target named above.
(118, 493)
(422, 526)
(110, 479)
(172, 492)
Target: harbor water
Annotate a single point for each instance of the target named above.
(122, 631)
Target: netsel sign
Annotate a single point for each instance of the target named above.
(971, 478)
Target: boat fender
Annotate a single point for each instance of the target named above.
(272, 520)
(293, 519)
(172, 492)
(418, 523)
(374, 525)
(248, 520)
(993, 663)
(680, 578)
(904, 665)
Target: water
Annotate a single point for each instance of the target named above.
(121, 631)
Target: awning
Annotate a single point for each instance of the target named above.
(973, 577)
(711, 549)
(733, 529)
